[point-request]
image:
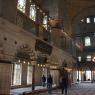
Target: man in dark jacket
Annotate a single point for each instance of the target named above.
(43, 80)
(49, 84)
(64, 85)
(64, 82)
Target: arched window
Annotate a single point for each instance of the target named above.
(33, 12)
(87, 41)
(21, 5)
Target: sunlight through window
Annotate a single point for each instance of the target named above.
(45, 22)
(33, 12)
(79, 58)
(17, 74)
(88, 75)
(87, 41)
(21, 5)
(88, 20)
(29, 74)
(89, 58)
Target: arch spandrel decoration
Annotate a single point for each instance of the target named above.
(25, 53)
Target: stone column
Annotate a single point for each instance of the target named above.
(0, 7)
(27, 7)
(78, 76)
(5, 78)
(9, 10)
(33, 78)
(64, 14)
(93, 75)
(24, 75)
(38, 76)
(92, 78)
(72, 76)
(82, 76)
(48, 71)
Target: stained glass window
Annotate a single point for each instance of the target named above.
(33, 12)
(21, 5)
(45, 22)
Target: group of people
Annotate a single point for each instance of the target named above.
(64, 83)
(49, 82)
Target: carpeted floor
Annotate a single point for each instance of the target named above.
(78, 89)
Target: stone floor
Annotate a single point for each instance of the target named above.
(78, 89)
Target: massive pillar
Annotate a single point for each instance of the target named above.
(24, 75)
(9, 10)
(33, 78)
(0, 7)
(5, 78)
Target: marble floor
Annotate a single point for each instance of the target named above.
(78, 89)
(20, 91)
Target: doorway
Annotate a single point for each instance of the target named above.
(84, 75)
(88, 75)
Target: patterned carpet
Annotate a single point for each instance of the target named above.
(78, 89)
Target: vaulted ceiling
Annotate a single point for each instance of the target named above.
(73, 7)
(76, 6)
(68, 10)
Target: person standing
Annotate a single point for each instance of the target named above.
(64, 82)
(64, 85)
(43, 80)
(49, 84)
